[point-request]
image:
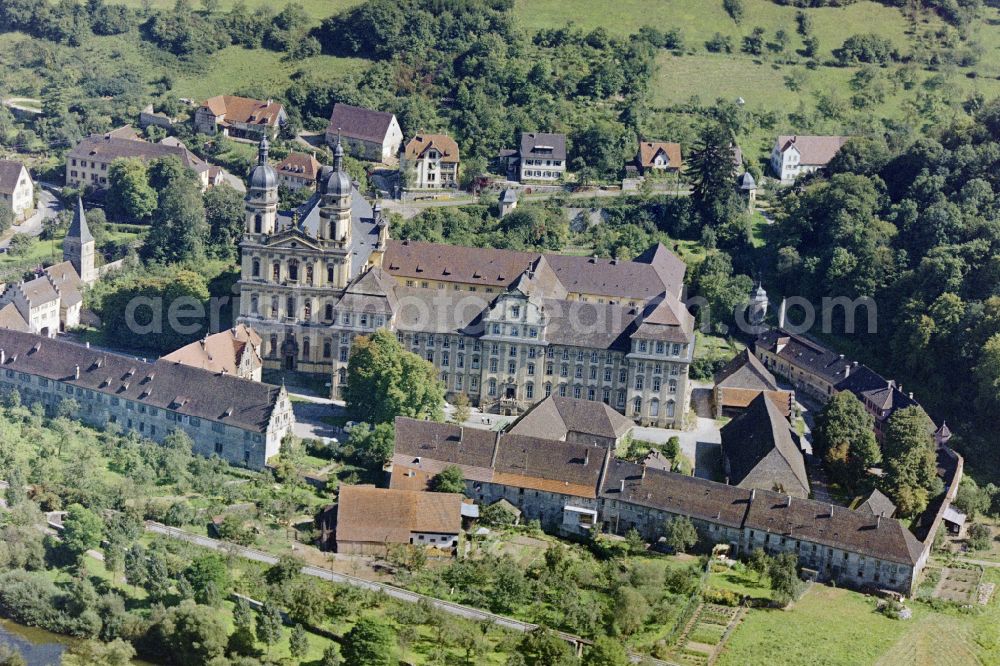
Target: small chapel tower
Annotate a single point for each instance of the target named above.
(79, 246)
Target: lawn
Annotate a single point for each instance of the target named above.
(318, 9)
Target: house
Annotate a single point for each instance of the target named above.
(431, 160)
(240, 118)
(234, 352)
(298, 170)
(540, 158)
(17, 191)
(570, 490)
(368, 135)
(572, 420)
(741, 380)
(149, 117)
(369, 520)
(241, 421)
(88, 162)
(69, 286)
(760, 450)
(37, 301)
(793, 156)
(954, 521)
(508, 201)
(658, 156)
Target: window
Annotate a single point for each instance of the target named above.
(460, 361)
(656, 384)
(591, 394)
(458, 383)
(531, 369)
(218, 448)
(475, 362)
(670, 409)
(276, 271)
(515, 312)
(254, 305)
(327, 349)
(593, 372)
(621, 398)
(637, 406)
(305, 348)
(256, 267)
(290, 307)
(493, 365)
(654, 408)
(308, 308)
(548, 368)
(562, 390)
(328, 312)
(445, 359)
(309, 274)
(607, 374)
(638, 382)
(606, 396)
(496, 329)
(622, 376)
(659, 347)
(529, 391)
(548, 390)
(672, 386)
(329, 274)
(576, 392)
(511, 367)
(642, 345)
(343, 354)
(492, 390)
(563, 370)
(578, 372)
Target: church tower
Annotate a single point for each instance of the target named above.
(79, 246)
(261, 202)
(335, 213)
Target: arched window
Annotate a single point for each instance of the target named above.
(309, 274)
(290, 307)
(258, 223)
(637, 406)
(293, 270)
(329, 273)
(276, 271)
(654, 408)
(274, 345)
(327, 349)
(254, 304)
(256, 267)
(342, 376)
(305, 348)
(328, 312)
(670, 409)
(548, 390)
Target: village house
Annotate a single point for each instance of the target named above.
(571, 488)
(241, 421)
(658, 156)
(88, 162)
(740, 381)
(368, 135)
(298, 170)
(746, 186)
(431, 162)
(760, 450)
(369, 520)
(17, 191)
(51, 302)
(240, 118)
(508, 201)
(541, 157)
(794, 156)
(232, 352)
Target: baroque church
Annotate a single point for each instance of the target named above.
(507, 328)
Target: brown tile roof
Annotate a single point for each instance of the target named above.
(10, 171)
(817, 150)
(833, 526)
(421, 143)
(430, 446)
(356, 122)
(299, 165)
(675, 493)
(651, 274)
(746, 371)
(192, 391)
(12, 319)
(762, 450)
(245, 110)
(667, 320)
(648, 150)
(221, 352)
(368, 514)
(541, 464)
(106, 148)
(804, 353)
(555, 417)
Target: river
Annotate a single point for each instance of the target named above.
(37, 646)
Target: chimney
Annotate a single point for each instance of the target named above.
(87, 344)
(586, 457)
(788, 501)
(911, 395)
(781, 314)
(878, 521)
(621, 488)
(3, 357)
(643, 472)
(753, 494)
(831, 511)
(76, 372)
(847, 371)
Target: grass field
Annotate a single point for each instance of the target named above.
(318, 9)
(700, 19)
(832, 626)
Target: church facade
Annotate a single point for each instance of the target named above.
(506, 328)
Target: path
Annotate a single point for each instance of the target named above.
(48, 207)
(982, 563)
(398, 593)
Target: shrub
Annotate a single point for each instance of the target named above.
(715, 595)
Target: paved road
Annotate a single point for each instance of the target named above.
(466, 612)
(48, 207)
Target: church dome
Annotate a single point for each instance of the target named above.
(263, 176)
(339, 183)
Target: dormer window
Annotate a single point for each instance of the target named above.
(515, 311)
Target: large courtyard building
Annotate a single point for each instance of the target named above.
(506, 328)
